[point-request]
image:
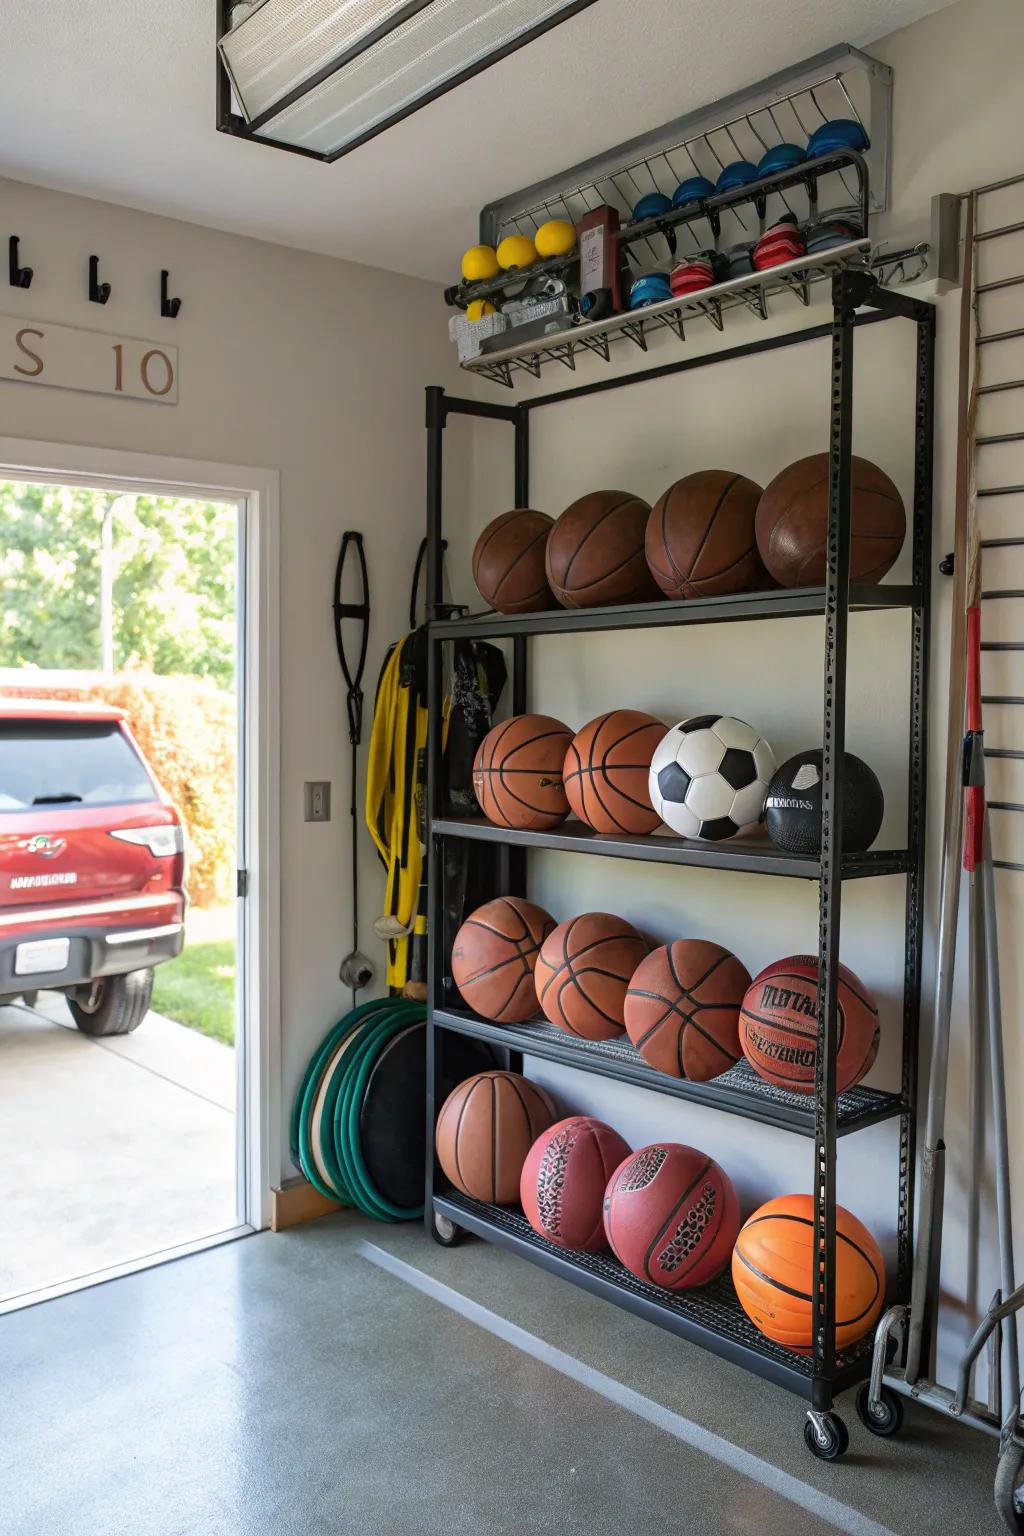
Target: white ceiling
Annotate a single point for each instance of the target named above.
(114, 99)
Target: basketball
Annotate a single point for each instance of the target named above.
(595, 552)
(582, 973)
(486, 1127)
(792, 522)
(508, 562)
(683, 1006)
(772, 1270)
(564, 1179)
(779, 1025)
(606, 772)
(671, 1216)
(792, 811)
(700, 536)
(494, 955)
(517, 773)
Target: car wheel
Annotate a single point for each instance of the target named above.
(114, 1005)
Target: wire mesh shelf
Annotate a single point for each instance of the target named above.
(787, 108)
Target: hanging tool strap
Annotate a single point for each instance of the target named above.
(360, 612)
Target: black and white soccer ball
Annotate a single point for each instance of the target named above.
(710, 776)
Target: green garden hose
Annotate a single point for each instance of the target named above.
(325, 1119)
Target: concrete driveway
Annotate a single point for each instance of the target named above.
(112, 1149)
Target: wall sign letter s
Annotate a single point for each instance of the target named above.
(30, 373)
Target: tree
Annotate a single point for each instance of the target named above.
(174, 587)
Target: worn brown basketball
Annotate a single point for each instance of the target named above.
(486, 1127)
(607, 772)
(595, 552)
(517, 773)
(792, 522)
(508, 562)
(582, 973)
(700, 536)
(779, 1025)
(494, 956)
(682, 1009)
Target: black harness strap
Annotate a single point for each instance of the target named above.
(360, 611)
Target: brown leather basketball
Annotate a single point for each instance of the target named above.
(582, 973)
(517, 773)
(508, 562)
(607, 772)
(682, 1009)
(792, 522)
(486, 1127)
(700, 536)
(494, 956)
(595, 552)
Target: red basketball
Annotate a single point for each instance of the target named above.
(671, 1216)
(517, 773)
(564, 1179)
(607, 772)
(494, 956)
(779, 1025)
(682, 1008)
(582, 973)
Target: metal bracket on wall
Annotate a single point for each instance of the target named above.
(169, 308)
(99, 292)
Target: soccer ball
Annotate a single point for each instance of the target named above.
(709, 777)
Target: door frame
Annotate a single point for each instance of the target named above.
(258, 493)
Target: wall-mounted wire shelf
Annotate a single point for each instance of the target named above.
(842, 82)
(752, 293)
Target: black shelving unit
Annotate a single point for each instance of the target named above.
(712, 1316)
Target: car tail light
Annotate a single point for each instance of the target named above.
(162, 842)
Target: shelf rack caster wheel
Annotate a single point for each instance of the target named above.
(885, 1417)
(1009, 1489)
(825, 1435)
(445, 1232)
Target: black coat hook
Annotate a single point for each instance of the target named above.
(21, 277)
(168, 307)
(99, 292)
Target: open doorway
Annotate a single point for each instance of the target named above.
(123, 1122)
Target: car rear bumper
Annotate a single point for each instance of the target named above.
(85, 942)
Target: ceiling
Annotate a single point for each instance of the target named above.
(114, 99)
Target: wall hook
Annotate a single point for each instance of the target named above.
(21, 277)
(168, 307)
(99, 292)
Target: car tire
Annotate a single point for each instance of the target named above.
(115, 1006)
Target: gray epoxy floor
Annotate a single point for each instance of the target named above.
(283, 1385)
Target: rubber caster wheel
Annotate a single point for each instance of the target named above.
(445, 1232)
(1009, 1489)
(887, 1416)
(826, 1436)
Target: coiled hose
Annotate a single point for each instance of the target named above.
(325, 1136)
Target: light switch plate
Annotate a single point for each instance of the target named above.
(317, 795)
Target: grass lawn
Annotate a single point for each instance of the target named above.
(198, 989)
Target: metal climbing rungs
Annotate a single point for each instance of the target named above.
(1007, 437)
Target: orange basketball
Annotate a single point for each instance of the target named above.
(772, 1270)
(779, 1025)
(494, 955)
(683, 1006)
(517, 774)
(582, 973)
(486, 1127)
(607, 771)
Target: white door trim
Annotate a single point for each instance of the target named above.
(259, 489)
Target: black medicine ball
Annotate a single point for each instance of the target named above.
(792, 812)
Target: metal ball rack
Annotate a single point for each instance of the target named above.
(712, 1315)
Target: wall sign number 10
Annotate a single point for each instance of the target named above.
(64, 357)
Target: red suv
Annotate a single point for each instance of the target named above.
(92, 863)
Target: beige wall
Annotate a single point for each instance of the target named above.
(958, 82)
(299, 363)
